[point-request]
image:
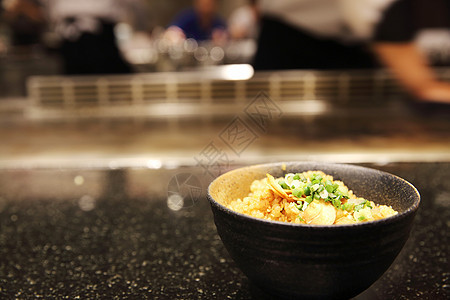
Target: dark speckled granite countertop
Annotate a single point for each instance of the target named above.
(113, 234)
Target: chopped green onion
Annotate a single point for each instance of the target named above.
(315, 187)
(343, 192)
(295, 184)
(337, 203)
(358, 207)
(309, 199)
(347, 206)
(362, 205)
(283, 184)
(298, 192)
(323, 194)
(329, 188)
(307, 190)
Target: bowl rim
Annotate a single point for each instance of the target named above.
(392, 219)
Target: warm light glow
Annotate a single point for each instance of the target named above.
(237, 72)
(305, 107)
(154, 164)
(175, 202)
(86, 203)
(78, 180)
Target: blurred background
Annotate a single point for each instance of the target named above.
(115, 115)
(139, 82)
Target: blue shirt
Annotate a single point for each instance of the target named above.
(189, 22)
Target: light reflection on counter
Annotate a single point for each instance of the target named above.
(237, 72)
(154, 164)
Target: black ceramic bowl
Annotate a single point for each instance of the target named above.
(310, 261)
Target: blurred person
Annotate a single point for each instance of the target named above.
(350, 34)
(201, 22)
(243, 22)
(394, 45)
(86, 30)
